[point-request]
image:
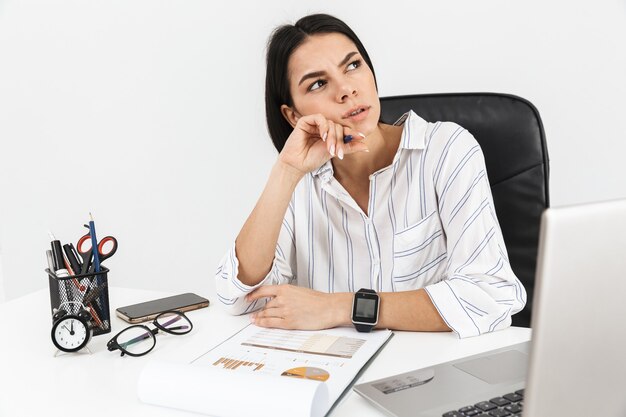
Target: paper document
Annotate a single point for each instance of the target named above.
(261, 371)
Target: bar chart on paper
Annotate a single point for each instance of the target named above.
(302, 360)
(281, 372)
(233, 364)
(305, 342)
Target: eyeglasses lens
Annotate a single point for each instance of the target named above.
(136, 340)
(174, 323)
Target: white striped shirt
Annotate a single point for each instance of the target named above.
(431, 224)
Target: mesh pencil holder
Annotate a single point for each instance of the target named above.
(90, 291)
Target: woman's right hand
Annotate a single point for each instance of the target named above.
(316, 139)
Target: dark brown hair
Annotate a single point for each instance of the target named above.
(282, 43)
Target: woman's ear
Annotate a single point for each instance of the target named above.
(290, 115)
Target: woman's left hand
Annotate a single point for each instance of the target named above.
(293, 307)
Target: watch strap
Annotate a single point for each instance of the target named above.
(363, 328)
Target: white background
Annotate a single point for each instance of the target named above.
(150, 114)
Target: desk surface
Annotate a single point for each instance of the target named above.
(34, 382)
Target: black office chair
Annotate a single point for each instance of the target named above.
(510, 133)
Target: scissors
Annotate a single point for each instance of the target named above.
(104, 251)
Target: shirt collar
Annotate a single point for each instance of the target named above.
(413, 137)
(414, 132)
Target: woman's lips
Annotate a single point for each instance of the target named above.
(359, 116)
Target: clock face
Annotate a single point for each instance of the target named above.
(70, 334)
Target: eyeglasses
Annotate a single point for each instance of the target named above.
(139, 339)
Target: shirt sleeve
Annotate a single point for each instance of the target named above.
(231, 291)
(479, 291)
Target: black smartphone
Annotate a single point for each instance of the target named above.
(137, 313)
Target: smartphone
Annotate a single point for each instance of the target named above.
(137, 313)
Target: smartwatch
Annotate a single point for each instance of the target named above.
(365, 306)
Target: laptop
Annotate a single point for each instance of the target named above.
(575, 364)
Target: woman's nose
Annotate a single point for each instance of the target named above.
(345, 92)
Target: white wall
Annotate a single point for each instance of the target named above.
(2, 296)
(149, 114)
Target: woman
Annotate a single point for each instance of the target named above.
(404, 209)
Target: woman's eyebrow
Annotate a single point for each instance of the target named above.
(311, 75)
(347, 58)
(316, 74)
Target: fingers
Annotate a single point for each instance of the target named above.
(355, 145)
(339, 137)
(292, 307)
(340, 140)
(353, 142)
(275, 302)
(314, 124)
(331, 140)
(270, 317)
(349, 137)
(272, 322)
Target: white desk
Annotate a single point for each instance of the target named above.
(33, 382)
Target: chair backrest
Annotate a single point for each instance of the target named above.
(511, 135)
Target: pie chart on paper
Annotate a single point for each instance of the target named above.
(307, 372)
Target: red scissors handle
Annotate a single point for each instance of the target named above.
(84, 252)
(106, 248)
(110, 249)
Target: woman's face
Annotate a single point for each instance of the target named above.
(328, 75)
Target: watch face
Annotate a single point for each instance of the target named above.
(70, 334)
(365, 308)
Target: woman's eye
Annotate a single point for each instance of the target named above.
(317, 84)
(354, 65)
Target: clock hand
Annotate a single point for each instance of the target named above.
(65, 327)
(72, 331)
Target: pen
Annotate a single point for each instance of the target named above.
(78, 285)
(78, 259)
(94, 244)
(50, 260)
(95, 317)
(62, 268)
(93, 293)
(94, 309)
(57, 258)
(59, 266)
(73, 264)
(57, 253)
(52, 268)
(71, 257)
(96, 258)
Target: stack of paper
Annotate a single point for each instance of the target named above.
(264, 372)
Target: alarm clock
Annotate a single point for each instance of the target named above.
(71, 332)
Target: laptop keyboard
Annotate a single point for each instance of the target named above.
(507, 405)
